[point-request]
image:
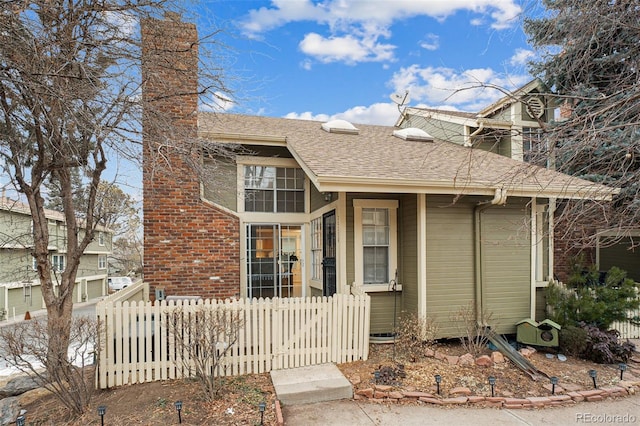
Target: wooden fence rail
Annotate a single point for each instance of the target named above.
(138, 343)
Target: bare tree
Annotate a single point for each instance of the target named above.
(70, 96)
(589, 58)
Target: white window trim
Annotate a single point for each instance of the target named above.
(54, 264)
(242, 160)
(358, 205)
(102, 265)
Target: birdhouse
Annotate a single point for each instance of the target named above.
(544, 333)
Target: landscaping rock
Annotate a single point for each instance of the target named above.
(456, 400)
(9, 410)
(484, 361)
(466, 359)
(430, 353)
(452, 359)
(430, 400)
(19, 385)
(355, 380)
(396, 395)
(460, 391)
(417, 395)
(367, 393)
(527, 352)
(383, 388)
(497, 357)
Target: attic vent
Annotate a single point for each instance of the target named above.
(340, 126)
(413, 134)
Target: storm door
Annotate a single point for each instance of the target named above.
(329, 254)
(273, 260)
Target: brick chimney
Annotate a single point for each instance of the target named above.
(190, 248)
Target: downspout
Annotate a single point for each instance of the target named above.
(499, 199)
(469, 143)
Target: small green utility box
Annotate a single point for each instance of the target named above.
(544, 333)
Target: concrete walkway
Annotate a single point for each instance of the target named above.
(358, 413)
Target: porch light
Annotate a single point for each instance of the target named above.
(438, 380)
(262, 406)
(492, 383)
(327, 196)
(622, 367)
(593, 374)
(102, 410)
(178, 405)
(554, 382)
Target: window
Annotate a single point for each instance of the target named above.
(58, 262)
(534, 146)
(101, 238)
(316, 249)
(375, 241)
(273, 189)
(102, 261)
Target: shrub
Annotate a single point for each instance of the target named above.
(473, 336)
(590, 298)
(415, 334)
(604, 346)
(573, 340)
(25, 346)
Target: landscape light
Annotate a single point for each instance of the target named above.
(262, 406)
(20, 420)
(178, 405)
(622, 366)
(593, 374)
(438, 380)
(554, 382)
(492, 383)
(102, 410)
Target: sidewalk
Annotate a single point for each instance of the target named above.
(356, 413)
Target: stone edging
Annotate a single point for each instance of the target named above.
(384, 393)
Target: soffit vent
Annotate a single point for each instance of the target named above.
(413, 134)
(340, 126)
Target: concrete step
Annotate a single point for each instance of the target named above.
(305, 385)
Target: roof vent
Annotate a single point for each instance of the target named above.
(413, 134)
(340, 126)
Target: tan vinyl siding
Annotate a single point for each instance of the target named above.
(220, 186)
(315, 292)
(22, 304)
(317, 198)
(541, 304)
(408, 255)
(450, 264)
(382, 308)
(506, 264)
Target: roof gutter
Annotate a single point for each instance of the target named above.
(469, 142)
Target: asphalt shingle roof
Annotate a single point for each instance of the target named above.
(377, 161)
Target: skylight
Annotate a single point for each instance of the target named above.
(413, 134)
(340, 126)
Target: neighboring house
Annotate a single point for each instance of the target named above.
(306, 208)
(19, 283)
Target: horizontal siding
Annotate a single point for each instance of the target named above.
(450, 276)
(382, 309)
(408, 256)
(506, 268)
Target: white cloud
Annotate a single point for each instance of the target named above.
(218, 102)
(380, 113)
(347, 49)
(469, 90)
(430, 42)
(521, 56)
(361, 24)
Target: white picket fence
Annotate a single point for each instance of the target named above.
(137, 344)
(628, 330)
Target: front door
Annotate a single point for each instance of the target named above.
(329, 254)
(273, 266)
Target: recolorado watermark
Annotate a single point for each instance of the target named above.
(605, 418)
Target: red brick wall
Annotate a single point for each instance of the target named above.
(190, 248)
(573, 237)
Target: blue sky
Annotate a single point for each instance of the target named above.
(344, 58)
